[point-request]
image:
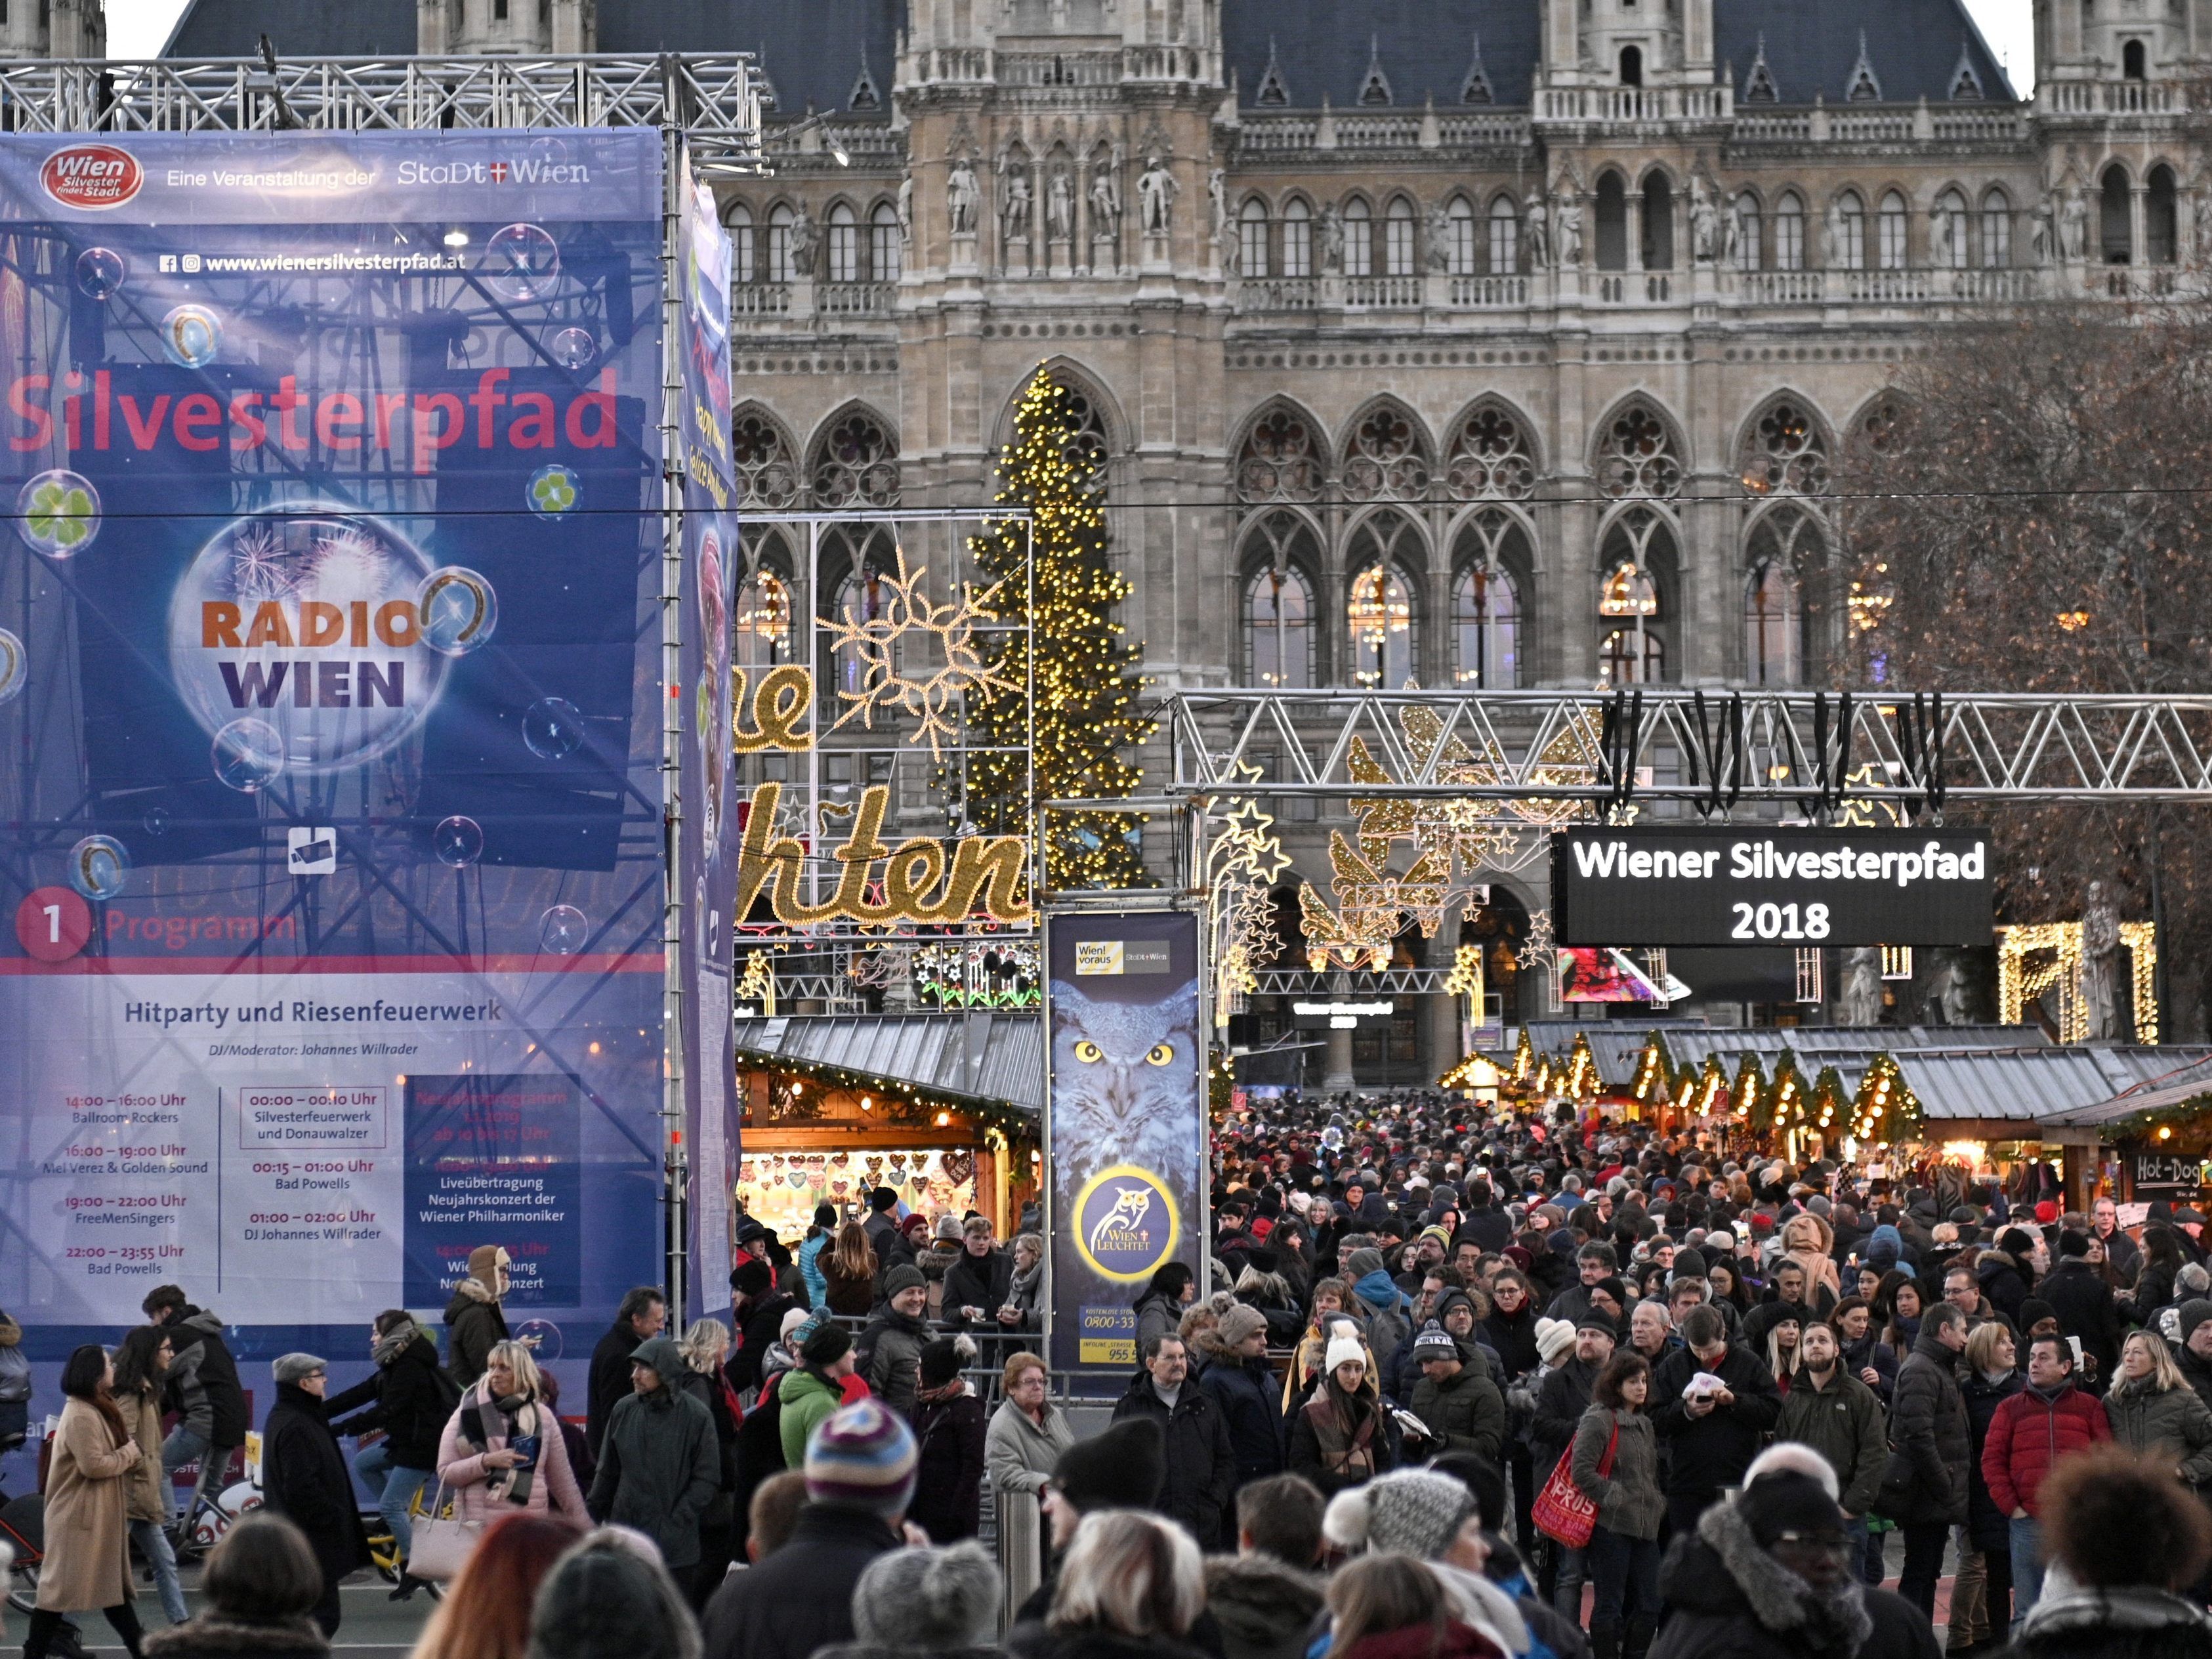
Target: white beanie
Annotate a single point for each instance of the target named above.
(1797, 1458)
(1342, 1348)
(1554, 1337)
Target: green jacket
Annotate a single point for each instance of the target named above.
(659, 1463)
(803, 1399)
(1843, 1423)
(1465, 1412)
(1628, 1499)
(2174, 1426)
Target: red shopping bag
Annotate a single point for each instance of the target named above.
(1562, 1510)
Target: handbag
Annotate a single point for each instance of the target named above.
(1900, 1484)
(443, 1542)
(1563, 1511)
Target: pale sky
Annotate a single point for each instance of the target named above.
(137, 28)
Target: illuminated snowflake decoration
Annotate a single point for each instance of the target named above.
(948, 630)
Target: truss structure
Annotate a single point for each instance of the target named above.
(1811, 752)
(714, 101)
(1356, 987)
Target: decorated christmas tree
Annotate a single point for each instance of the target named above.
(1084, 686)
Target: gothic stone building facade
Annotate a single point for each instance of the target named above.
(1419, 340)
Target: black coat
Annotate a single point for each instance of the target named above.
(707, 1391)
(2129, 1625)
(1742, 1606)
(2004, 1283)
(1033, 1640)
(2083, 1303)
(1515, 1338)
(971, 1284)
(1201, 1467)
(412, 1398)
(1245, 1392)
(799, 1598)
(1986, 1522)
(304, 1477)
(948, 1487)
(1929, 1424)
(201, 1371)
(610, 1379)
(763, 1325)
(1561, 1400)
(1709, 1452)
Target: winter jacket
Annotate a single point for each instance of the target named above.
(1265, 1609)
(478, 1428)
(757, 1340)
(610, 1378)
(1382, 1309)
(1244, 1391)
(211, 1636)
(2170, 1422)
(1843, 1423)
(1022, 1452)
(2128, 1624)
(1707, 1453)
(810, 1269)
(710, 1390)
(1927, 1422)
(804, 1399)
(1726, 1598)
(1312, 1455)
(889, 1355)
(304, 1477)
(475, 1324)
(1627, 1496)
(948, 1488)
(409, 1399)
(659, 1468)
(988, 1284)
(1514, 1337)
(2083, 1303)
(203, 1387)
(1465, 1412)
(1561, 1399)
(142, 1415)
(1870, 1352)
(87, 1536)
(800, 1597)
(2003, 1283)
(1201, 1467)
(1157, 1316)
(1033, 1639)
(2030, 1433)
(850, 1297)
(1986, 1524)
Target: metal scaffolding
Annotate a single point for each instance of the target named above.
(1896, 753)
(712, 99)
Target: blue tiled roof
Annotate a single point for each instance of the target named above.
(1424, 46)
(1913, 45)
(336, 28)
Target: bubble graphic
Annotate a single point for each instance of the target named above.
(99, 868)
(157, 822)
(248, 755)
(12, 669)
(522, 262)
(561, 931)
(57, 514)
(572, 348)
(552, 728)
(457, 841)
(100, 271)
(554, 490)
(547, 1335)
(458, 610)
(191, 336)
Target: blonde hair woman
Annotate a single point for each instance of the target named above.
(2154, 1410)
(705, 1346)
(1129, 1574)
(502, 1448)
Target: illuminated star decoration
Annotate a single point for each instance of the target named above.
(933, 698)
(1243, 861)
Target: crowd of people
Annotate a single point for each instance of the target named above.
(1448, 1381)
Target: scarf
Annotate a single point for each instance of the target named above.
(519, 1415)
(1344, 1429)
(393, 1343)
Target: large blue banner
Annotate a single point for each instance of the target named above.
(330, 688)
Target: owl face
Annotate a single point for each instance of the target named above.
(1121, 1071)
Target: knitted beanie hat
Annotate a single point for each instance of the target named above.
(1342, 1349)
(2193, 1313)
(1239, 1323)
(1555, 1340)
(904, 1277)
(1414, 1512)
(939, 1600)
(862, 1456)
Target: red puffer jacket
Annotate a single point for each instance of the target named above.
(2029, 1434)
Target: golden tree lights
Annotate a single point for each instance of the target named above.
(1083, 686)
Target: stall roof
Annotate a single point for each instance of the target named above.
(2187, 1075)
(995, 1054)
(1557, 1037)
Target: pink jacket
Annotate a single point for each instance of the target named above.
(480, 1493)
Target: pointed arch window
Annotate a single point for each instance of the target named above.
(884, 250)
(1790, 232)
(1892, 228)
(1298, 239)
(1612, 222)
(2117, 237)
(1459, 234)
(742, 250)
(768, 472)
(764, 611)
(1486, 603)
(1773, 613)
(1785, 453)
(1379, 628)
(1278, 615)
(1504, 236)
(1490, 455)
(1851, 252)
(844, 244)
(1386, 456)
(856, 559)
(2159, 216)
(1280, 460)
(1359, 238)
(1949, 225)
(1996, 229)
(1638, 559)
(857, 464)
(1747, 248)
(1638, 456)
(1658, 223)
(1398, 238)
(1087, 447)
(1252, 238)
(780, 221)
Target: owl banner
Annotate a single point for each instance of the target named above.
(331, 691)
(1124, 1129)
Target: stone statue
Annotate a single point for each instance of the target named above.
(1014, 213)
(1332, 241)
(1440, 238)
(1059, 207)
(1156, 194)
(1859, 1002)
(960, 194)
(1731, 229)
(1705, 225)
(1942, 237)
(803, 240)
(2074, 228)
(2200, 226)
(1106, 201)
(1538, 231)
(906, 210)
(1832, 237)
(2101, 964)
(1217, 197)
(1569, 217)
(1949, 998)
(2043, 233)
